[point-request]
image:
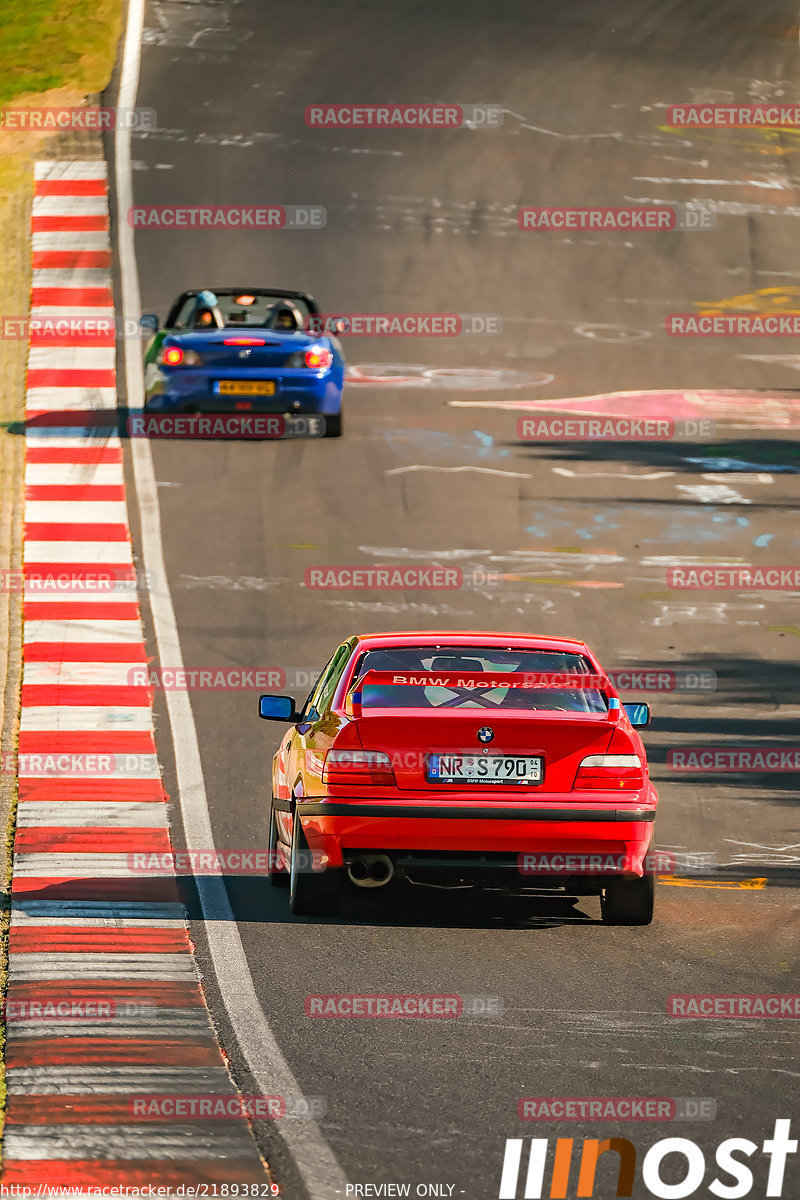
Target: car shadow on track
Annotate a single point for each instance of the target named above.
(400, 904)
(728, 453)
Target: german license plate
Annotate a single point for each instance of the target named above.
(244, 387)
(485, 768)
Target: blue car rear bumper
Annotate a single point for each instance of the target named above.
(296, 391)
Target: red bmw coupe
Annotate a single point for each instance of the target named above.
(457, 758)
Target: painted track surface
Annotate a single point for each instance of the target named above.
(420, 223)
(104, 1003)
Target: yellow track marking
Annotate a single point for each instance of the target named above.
(724, 885)
(765, 300)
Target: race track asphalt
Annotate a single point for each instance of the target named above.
(582, 534)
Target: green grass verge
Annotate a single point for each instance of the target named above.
(47, 44)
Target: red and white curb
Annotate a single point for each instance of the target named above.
(90, 936)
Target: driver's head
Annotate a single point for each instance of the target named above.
(203, 317)
(285, 319)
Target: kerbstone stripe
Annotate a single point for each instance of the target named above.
(178, 967)
(87, 1080)
(71, 206)
(112, 512)
(107, 674)
(116, 913)
(126, 766)
(109, 865)
(72, 239)
(47, 438)
(76, 717)
(74, 590)
(62, 812)
(85, 630)
(91, 554)
(74, 473)
(71, 169)
(89, 779)
(149, 1139)
(71, 358)
(163, 1022)
(70, 400)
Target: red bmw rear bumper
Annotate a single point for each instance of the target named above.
(558, 823)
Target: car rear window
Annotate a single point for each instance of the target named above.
(471, 661)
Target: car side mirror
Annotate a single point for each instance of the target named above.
(638, 715)
(277, 708)
(149, 322)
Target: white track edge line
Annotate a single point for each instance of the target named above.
(320, 1171)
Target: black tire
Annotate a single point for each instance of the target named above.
(333, 424)
(277, 878)
(629, 901)
(311, 893)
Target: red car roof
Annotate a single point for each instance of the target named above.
(458, 637)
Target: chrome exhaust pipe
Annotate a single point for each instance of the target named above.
(370, 870)
(381, 870)
(358, 871)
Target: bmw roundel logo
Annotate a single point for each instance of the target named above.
(486, 734)
(245, 353)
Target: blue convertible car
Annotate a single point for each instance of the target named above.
(244, 350)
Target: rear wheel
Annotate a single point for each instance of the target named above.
(629, 901)
(277, 877)
(311, 893)
(333, 424)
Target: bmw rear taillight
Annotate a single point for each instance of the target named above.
(358, 767)
(244, 341)
(176, 356)
(610, 773)
(318, 359)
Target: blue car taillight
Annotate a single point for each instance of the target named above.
(176, 356)
(316, 358)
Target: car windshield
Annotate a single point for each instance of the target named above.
(469, 660)
(246, 309)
